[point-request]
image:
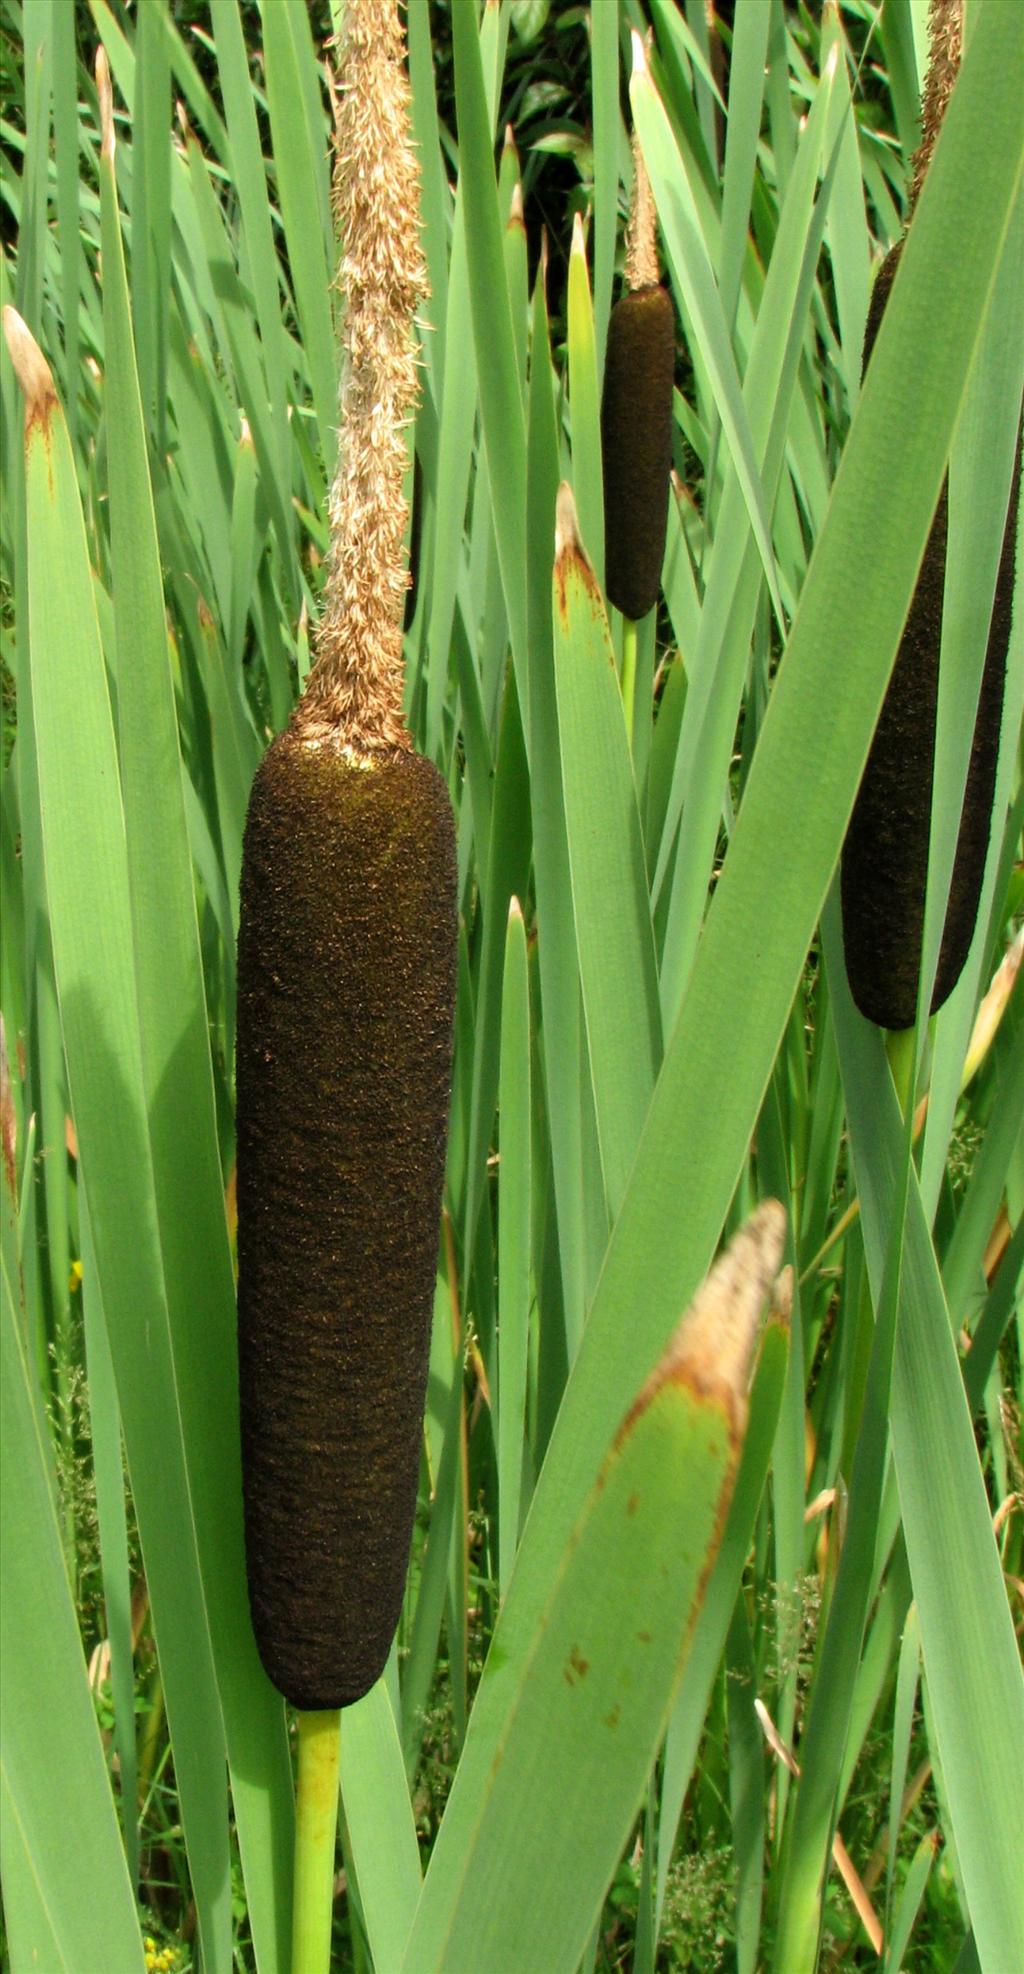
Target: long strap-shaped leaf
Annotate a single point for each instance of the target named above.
(971, 1659)
(178, 1084)
(88, 898)
(614, 938)
(785, 846)
(51, 1746)
(584, 1711)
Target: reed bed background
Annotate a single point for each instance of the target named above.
(653, 1031)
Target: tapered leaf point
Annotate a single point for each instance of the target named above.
(567, 528)
(30, 366)
(106, 95)
(639, 53)
(712, 1349)
(579, 245)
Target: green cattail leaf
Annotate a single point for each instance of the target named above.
(380, 1823)
(514, 1208)
(587, 1703)
(501, 403)
(970, 1653)
(87, 890)
(584, 404)
(249, 180)
(609, 885)
(788, 832)
(689, 1713)
(181, 1107)
(717, 667)
(695, 283)
(556, 954)
(51, 1742)
(609, 142)
(300, 154)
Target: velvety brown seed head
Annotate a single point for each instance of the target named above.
(346, 986)
(885, 856)
(636, 439)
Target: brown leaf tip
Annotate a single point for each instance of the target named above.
(567, 528)
(713, 1346)
(30, 366)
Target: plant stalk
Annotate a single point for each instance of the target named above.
(629, 637)
(316, 1826)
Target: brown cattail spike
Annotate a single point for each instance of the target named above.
(346, 966)
(346, 987)
(885, 856)
(636, 416)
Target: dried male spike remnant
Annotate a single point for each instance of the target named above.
(346, 990)
(636, 418)
(885, 856)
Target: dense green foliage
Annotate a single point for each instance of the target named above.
(660, 1036)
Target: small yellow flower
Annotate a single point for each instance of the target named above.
(75, 1277)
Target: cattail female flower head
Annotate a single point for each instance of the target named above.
(885, 856)
(636, 415)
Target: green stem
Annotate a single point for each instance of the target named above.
(316, 1828)
(628, 671)
(901, 1049)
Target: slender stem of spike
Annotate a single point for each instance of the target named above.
(316, 1829)
(901, 1049)
(629, 636)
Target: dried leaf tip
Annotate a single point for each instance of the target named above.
(713, 1346)
(642, 270)
(106, 95)
(567, 528)
(30, 366)
(640, 64)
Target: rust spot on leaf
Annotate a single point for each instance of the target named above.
(644, 1637)
(576, 1667)
(612, 1720)
(633, 1504)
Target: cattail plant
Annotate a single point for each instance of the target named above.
(885, 857)
(346, 983)
(636, 419)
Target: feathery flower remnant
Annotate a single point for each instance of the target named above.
(354, 698)
(945, 41)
